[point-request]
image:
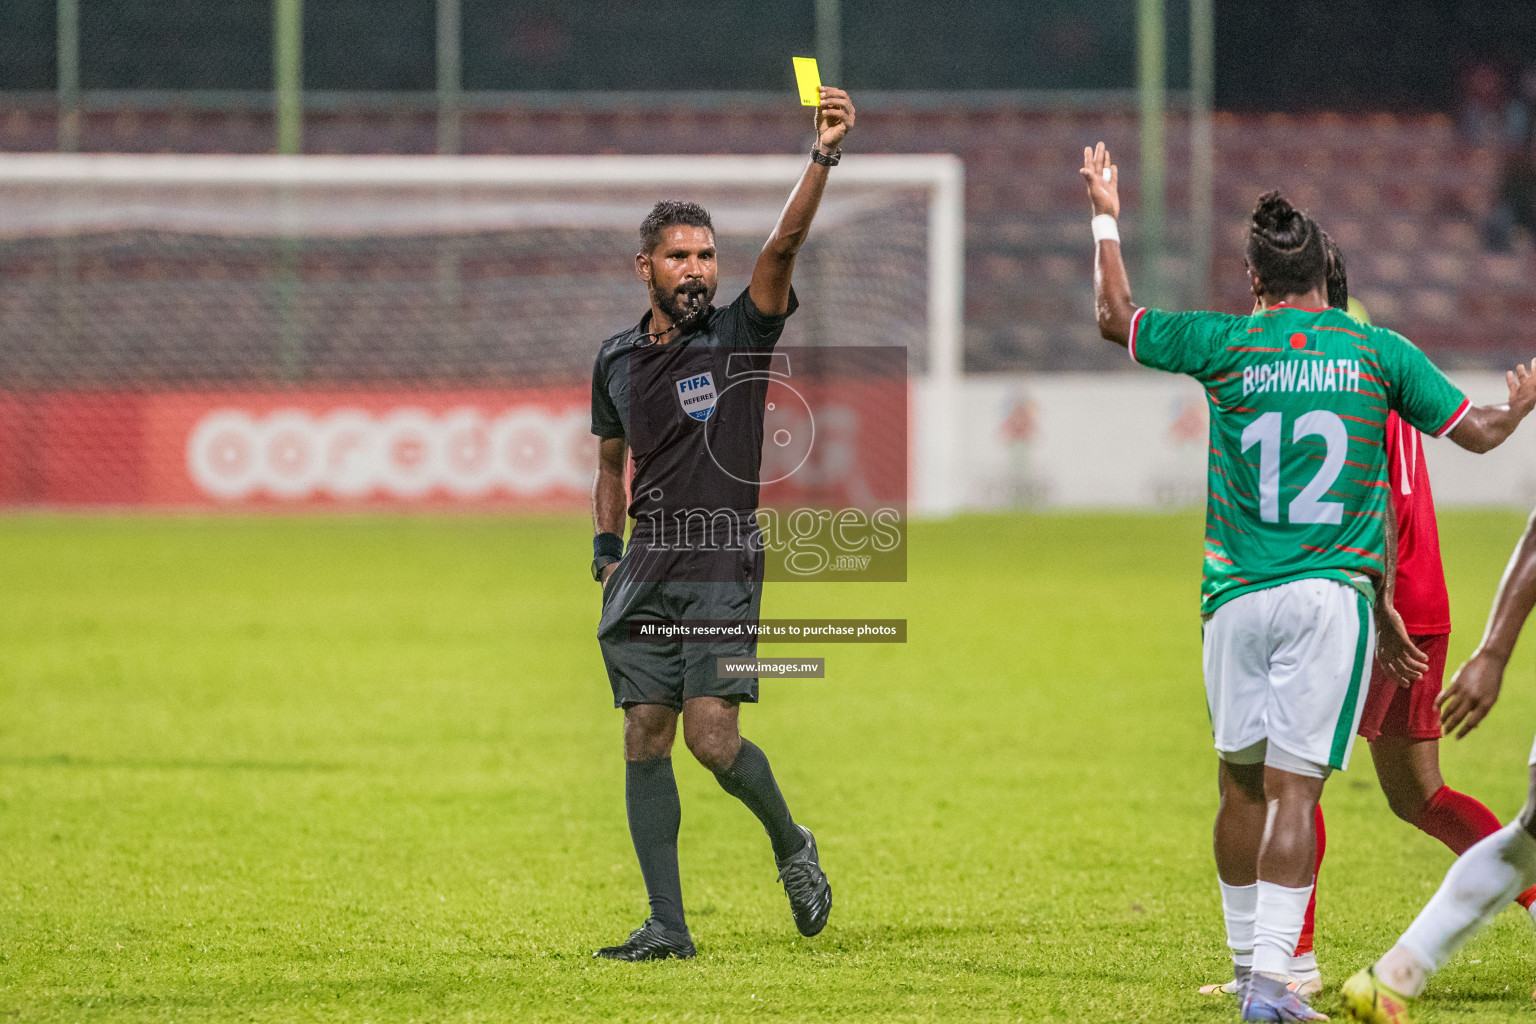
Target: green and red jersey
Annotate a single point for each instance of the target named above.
(1299, 398)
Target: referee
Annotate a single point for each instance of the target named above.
(695, 552)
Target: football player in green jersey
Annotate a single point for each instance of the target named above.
(1295, 547)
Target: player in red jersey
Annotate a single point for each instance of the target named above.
(1401, 718)
(1401, 722)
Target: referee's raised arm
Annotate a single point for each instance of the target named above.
(776, 263)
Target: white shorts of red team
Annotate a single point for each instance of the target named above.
(1286, 673)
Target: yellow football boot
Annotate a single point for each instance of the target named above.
(1368, 1000)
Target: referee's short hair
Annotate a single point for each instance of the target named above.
(670, 213)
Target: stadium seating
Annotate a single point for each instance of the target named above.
(1404, 195)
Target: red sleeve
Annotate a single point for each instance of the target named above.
(1419, 596)
(1400, 487)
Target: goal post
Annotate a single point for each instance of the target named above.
(173, 275)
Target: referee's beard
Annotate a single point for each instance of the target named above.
(685, 305)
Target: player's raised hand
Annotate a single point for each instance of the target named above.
(1522, 388)
(1471, 695)
(834, 118)
(1395, 649)
(1103, 181)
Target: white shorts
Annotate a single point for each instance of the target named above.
(1287, 667)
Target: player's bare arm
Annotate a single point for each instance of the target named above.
(1485, 427)
(1111, 284)
(608, 497)
(1395, 649)
(1475, 689)
(776, 263)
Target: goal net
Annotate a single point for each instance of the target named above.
(196, 331)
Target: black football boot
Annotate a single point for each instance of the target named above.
(650, 942)
(806, 885)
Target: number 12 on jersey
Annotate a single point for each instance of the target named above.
(1308, 507)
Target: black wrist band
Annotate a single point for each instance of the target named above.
(826, 161)
(608, 544)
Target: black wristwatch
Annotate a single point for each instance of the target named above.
(826, 161)
(600, 563)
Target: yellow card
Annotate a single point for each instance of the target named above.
(808, 78)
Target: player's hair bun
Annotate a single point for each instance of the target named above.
(1285, 247)
(1281, 224)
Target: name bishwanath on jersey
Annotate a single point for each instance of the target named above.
(1302, 375)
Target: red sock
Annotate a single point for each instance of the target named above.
(1304, 944)
(1459, 821)
(1456, 819)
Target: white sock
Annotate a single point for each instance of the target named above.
(1277, 926)
(1479, 885)
(1238, 905)
(1403, 972)
(1306, 963)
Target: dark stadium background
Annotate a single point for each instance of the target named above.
(1275, 55)
(1369, 92)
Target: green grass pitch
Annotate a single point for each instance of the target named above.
(333, 769)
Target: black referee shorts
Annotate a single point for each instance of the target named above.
(652, 584)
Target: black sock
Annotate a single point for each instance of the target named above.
(750, 780)
(655, 815)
